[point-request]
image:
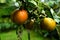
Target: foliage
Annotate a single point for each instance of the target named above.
(6, 24)
(36, 9)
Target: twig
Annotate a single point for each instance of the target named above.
(28, 34)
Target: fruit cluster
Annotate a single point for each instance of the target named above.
(20, 16)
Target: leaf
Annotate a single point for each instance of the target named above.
(55, 16)
(57, 20)
(52, 11)
(2, 1)
(42, 0)
(6, 10)
(33, 2)
(16, 4)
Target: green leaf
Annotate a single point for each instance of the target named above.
(2, 1)
(55, 16)
(33, 2)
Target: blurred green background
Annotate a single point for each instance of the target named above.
(8, 28)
